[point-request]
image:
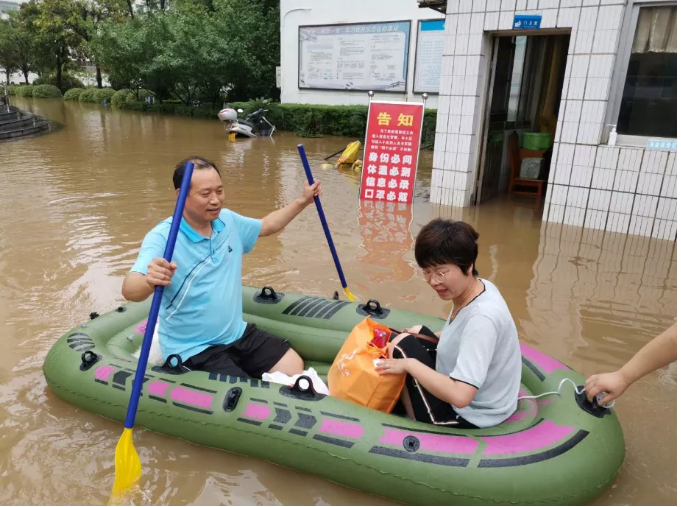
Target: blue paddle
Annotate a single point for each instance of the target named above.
(127, 462)
(318, 203)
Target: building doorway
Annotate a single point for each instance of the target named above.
(523, 97)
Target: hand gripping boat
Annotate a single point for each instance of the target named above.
(554, 450)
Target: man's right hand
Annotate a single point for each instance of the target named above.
(160, 272)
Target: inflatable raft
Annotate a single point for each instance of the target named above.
(554, 450)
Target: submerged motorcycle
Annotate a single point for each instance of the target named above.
(254, 125)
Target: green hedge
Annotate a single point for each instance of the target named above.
(73, 94)
(88, 95)
(12, 89)
(121, 96)
(67, 81)
(24, 91)
(104, 93)
(46, 91)
(303, 119)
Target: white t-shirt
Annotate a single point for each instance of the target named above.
(480, 347)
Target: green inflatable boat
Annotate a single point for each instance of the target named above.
(554, 450)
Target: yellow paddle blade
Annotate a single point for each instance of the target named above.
(232, 137)
(349, 294)
(128, 467)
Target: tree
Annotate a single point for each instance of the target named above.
(8, 48)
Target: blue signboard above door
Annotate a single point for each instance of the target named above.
(526, 22)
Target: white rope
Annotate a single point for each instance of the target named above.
(560, 386)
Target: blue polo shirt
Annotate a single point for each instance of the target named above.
(202, 306)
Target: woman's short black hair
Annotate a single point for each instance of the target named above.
(199, 163)
(447, 242)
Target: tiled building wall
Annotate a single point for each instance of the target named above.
(618, 189)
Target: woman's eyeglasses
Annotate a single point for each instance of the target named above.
(438, 276)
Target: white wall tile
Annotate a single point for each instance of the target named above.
(545, 212)
(630, 159)
(610, 18)
(466, 5)
(606, 157)
(605, 41)
(601, 65)
(585, 155)
(593, 111)
(668, 186)
(587, 18)
(532, 5)
(460, 180)
(590, 3)
(459, 66)
(574, 216)
(455, 104)
(654, 161)
(581, 176)
(664, 229)
(465, 143)
(492, 5)
(549, 4)
(470, 86)
(492, 21)
(580, 66)
(595, 219)
(603, 178)
(477, 22)
(468, 106)
(507, 5)
(597, 88)
(571, 3)
(473, 65)
(568, 18)
(625, 181)
(577, 197)
(454, 124)
(436, 178)
(666, 209)
(506, 20)
(562, 174)
(463, 161)
(671, 164)
(589, 133)
(441, 122)
(649, 184)
(599, 200)
(645, 205)
(521, 5)
(556, 213)
(613, 2)
(617, 223)
(461, 47)
(566, 153)
(584, 41)
(641, 226)
(576, 88)
(466, 125)
(572, 110)
(568, 133)
(621, 202)
(559, 195)
(549, 18)
(475, 46)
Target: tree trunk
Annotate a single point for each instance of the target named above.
(59, 63)
(26, 76)
(130, 8)
(99, 76)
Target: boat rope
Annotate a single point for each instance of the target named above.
(577, 391)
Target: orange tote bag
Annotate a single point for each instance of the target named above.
(353, 376)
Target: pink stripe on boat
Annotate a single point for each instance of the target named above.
(542, 435)
(158, 388)
(256, 411)
(342, 429)
(546, 363)
(182, 395)
(141, 328)
(439, 443)
(104, 372)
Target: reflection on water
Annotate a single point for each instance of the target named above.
(77, 202)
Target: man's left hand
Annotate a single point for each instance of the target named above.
(312, 191)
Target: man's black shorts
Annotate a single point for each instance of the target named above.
(255, 353)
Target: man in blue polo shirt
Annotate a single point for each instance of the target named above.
(201, 313)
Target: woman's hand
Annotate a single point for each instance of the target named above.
(412, 330)
(392, 366)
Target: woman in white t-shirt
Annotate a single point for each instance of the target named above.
(467, 375)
